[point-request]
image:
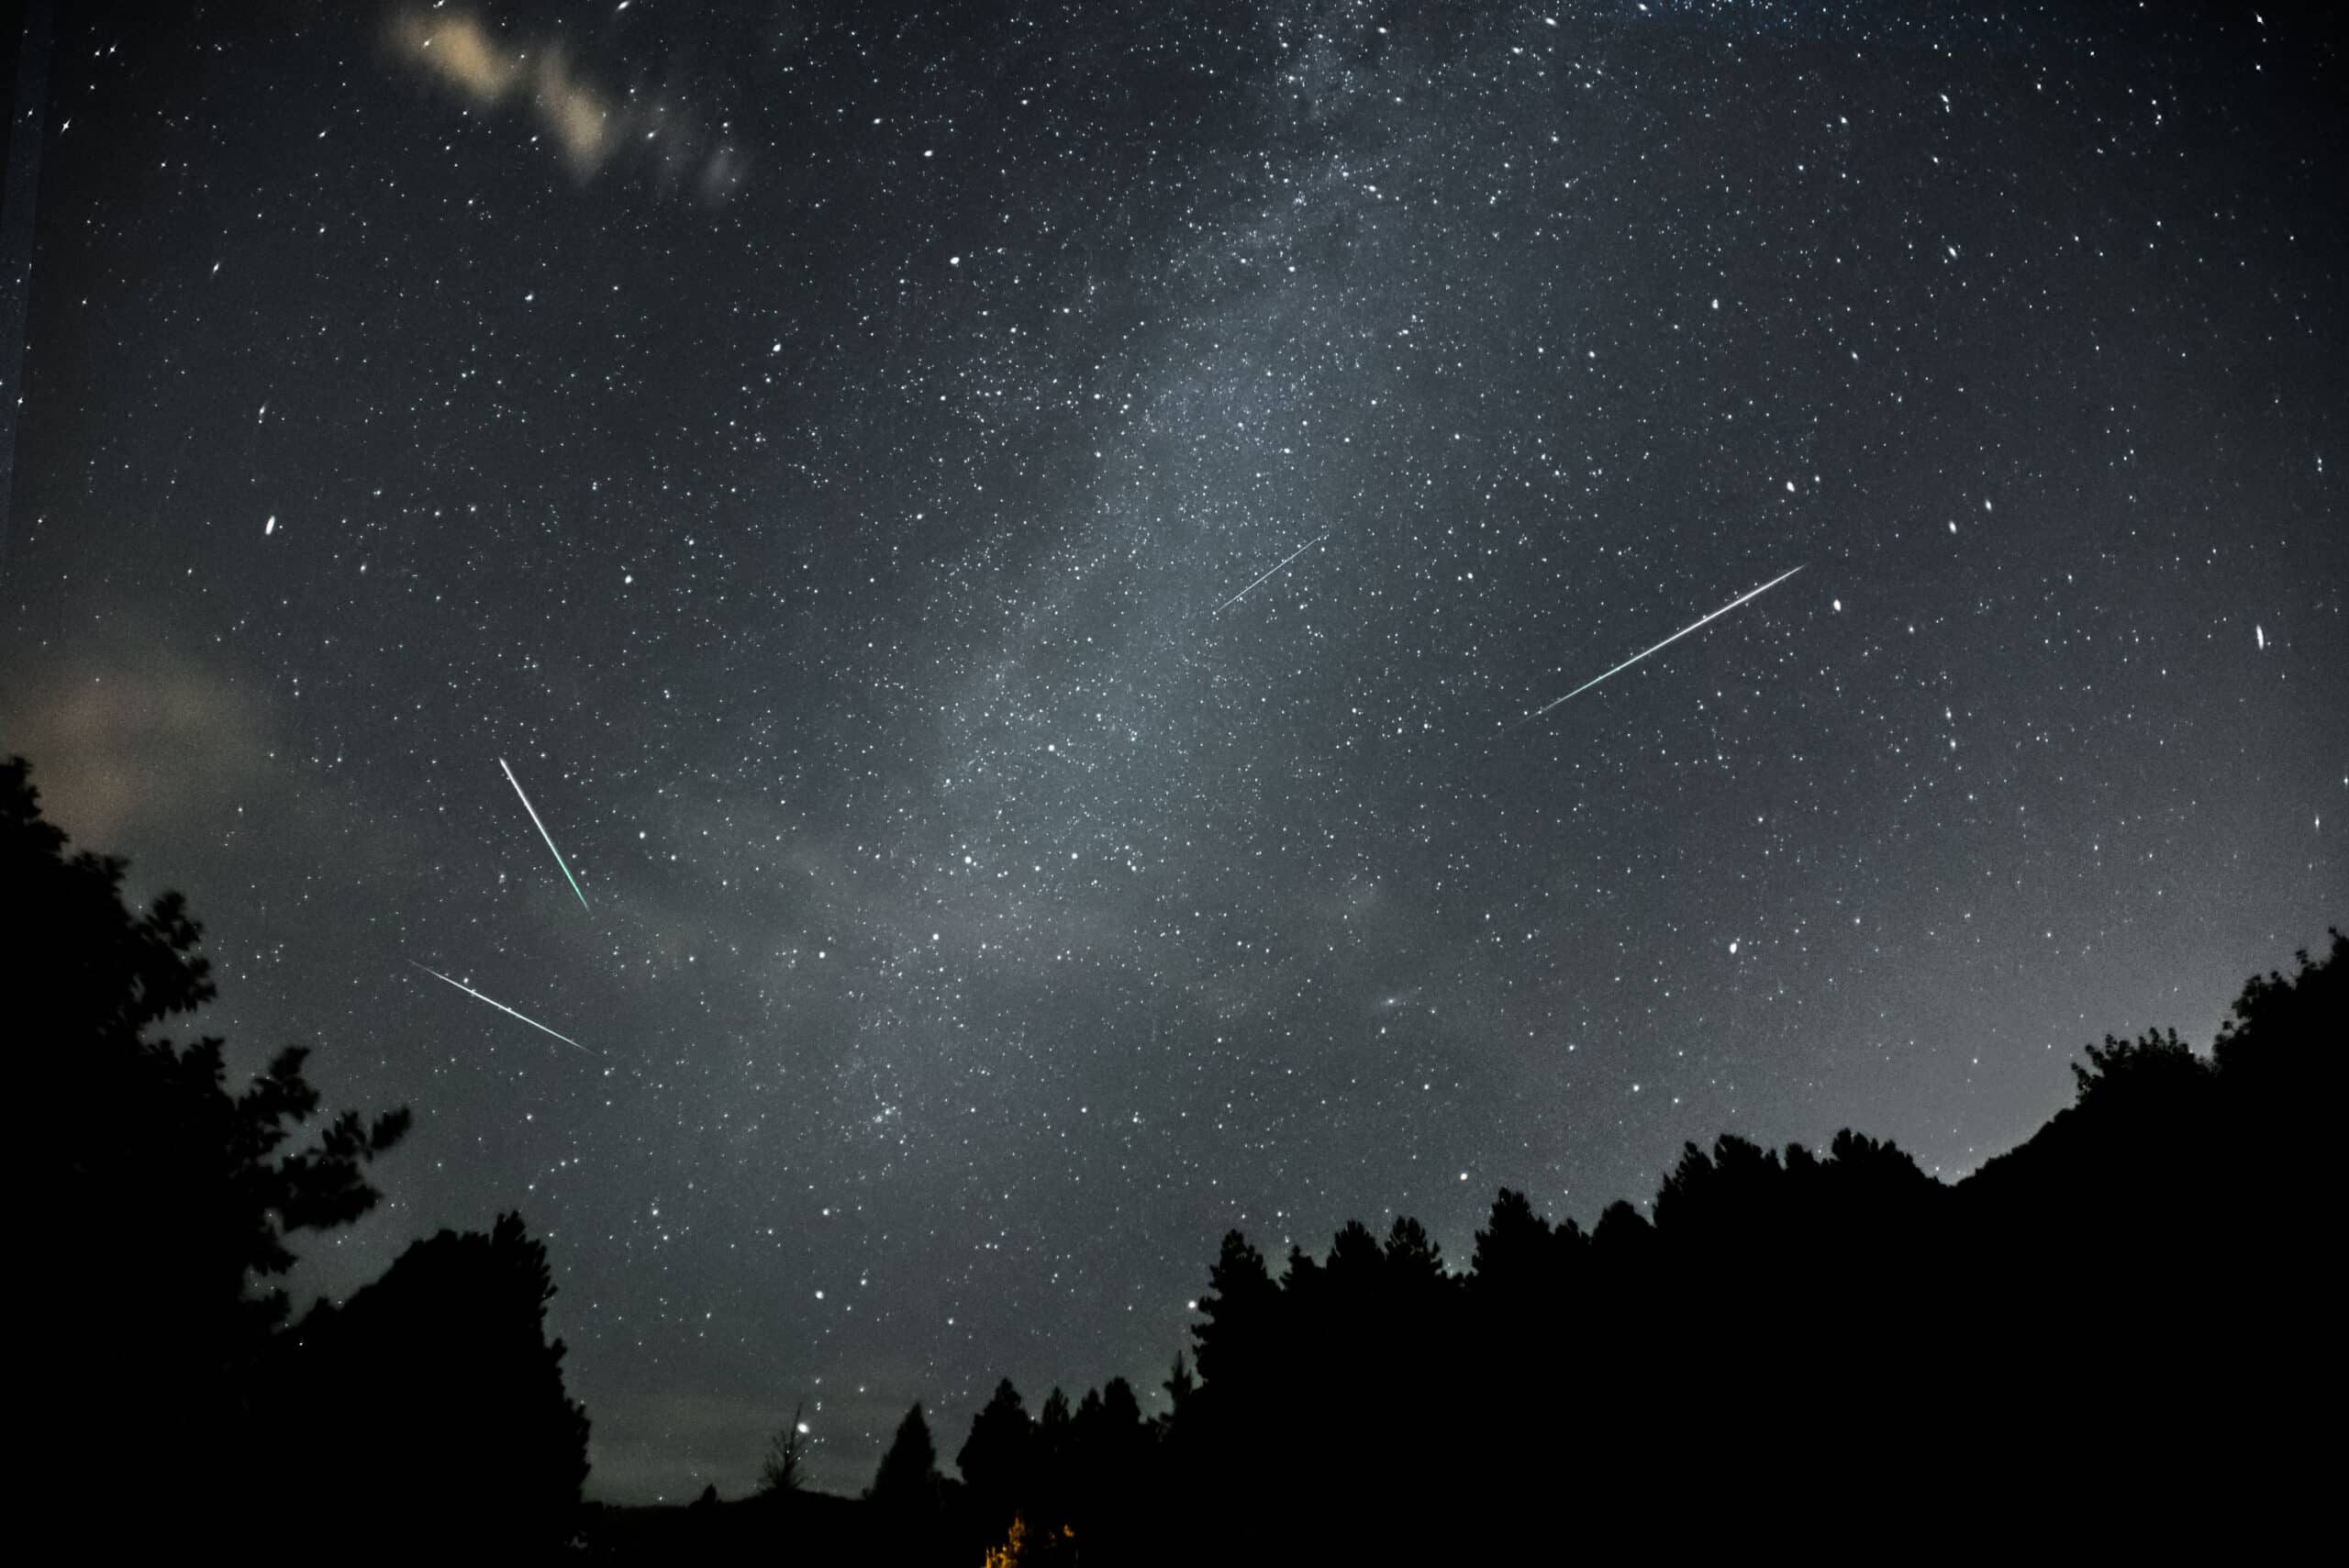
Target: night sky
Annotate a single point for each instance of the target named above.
(817, 447)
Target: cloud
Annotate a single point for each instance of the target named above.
(587, 124)
(460, 51)
(149, 733)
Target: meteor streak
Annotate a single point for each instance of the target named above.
(503, 1008)
(1658, 647)
(543, 834)
(1251, 587)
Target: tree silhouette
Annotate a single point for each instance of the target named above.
(1238, 1307)
(2280, 1029)
(1049, 1496)
(906, 1482)
(783, 1469)
(1180, 1384)
(2110, 1320)
(995, 1460)
(2156, 1068)
(1110, 1451)
(1515, 1251)
(1353, 1259)
(179, 1201)
(469, 1429)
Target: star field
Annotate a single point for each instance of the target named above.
(831, 452)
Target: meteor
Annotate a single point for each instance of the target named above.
(545, 834)
(503, 1008)
(1658, 647)
(1251, 587)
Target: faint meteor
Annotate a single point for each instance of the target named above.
(1251, 587)
(503, 1008)
(545, 834)
(1658, 647)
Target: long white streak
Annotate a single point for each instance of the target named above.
(1251, 587)
(1661, 646)
(545, 834)
(503, 1008)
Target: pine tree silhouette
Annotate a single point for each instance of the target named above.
(906, 1482)
(996, 1460)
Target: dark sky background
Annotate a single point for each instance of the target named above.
(817, 447)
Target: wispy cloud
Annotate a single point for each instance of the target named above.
(150, 733)
(589, 125)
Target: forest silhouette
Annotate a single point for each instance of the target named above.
(175, 1403)
(2111, 1333)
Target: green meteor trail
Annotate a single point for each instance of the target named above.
(545, 834)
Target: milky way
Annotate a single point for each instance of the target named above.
(812, 445)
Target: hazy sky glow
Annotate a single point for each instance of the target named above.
(834, 455)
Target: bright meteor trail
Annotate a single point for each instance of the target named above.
(1291, 555)
(543, 834)
(1658, 647)
(503, 1008)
